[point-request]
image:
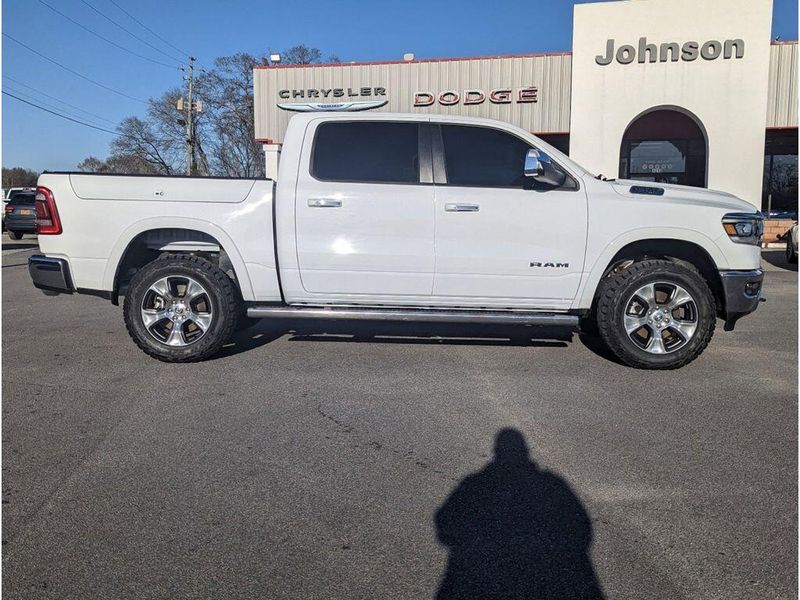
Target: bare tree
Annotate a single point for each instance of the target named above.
(19, 177)
(227, 93)
(141, 138)
(225, 131)
(158, 138)
(117, 163)
(92, 164)
(301, 55)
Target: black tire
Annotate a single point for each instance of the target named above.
(221, 291)
(15, 235)
(614, 293)
(791, 254)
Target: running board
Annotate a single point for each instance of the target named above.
(426, 315)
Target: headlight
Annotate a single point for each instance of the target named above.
(744, 228)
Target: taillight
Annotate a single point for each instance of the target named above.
(47, 221)
(9, 208)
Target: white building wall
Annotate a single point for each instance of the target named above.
(727, 96)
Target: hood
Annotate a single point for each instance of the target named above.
(683, 194)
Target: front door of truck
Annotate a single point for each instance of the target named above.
(500, 236)
(364, 211)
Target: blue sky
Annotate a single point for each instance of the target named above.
(350, 29)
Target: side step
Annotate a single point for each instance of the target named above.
(425, 315)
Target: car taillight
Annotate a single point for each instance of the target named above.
(9, 208)
(47, 221)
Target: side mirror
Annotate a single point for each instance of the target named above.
(541, 169)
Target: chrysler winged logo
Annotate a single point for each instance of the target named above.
(332, 106)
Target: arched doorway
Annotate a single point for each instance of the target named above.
(664, 146)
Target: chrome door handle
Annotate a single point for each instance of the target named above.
(455, 207)
(324, 202)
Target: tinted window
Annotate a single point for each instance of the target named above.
(480, 156)
(25, 198)
(367, 151)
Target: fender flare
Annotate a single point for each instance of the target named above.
(586, 292)
(124, 241)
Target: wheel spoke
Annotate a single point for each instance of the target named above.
(685, 329)
(161, 287)
(203, 321)
(656, 343)
(193, 290)
(175, 337)
(634, 323)
(679, 297)
(151, 316)
(648, 294)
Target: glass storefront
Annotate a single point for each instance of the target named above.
(664, 146)
(779, 193)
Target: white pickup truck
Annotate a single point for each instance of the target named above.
(405, 217)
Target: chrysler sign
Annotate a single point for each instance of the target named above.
(333, 94)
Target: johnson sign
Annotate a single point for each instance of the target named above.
(670, 51)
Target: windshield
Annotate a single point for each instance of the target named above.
(22, 198)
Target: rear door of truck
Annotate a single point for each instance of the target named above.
(364, 210)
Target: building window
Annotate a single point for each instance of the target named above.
(779, 193)
(664, 146)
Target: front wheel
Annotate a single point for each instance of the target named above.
(656, 314)
(15, 235)
(181, 308)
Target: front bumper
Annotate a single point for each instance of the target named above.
(743, 291)
(51, 275)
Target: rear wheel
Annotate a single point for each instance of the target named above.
(181, 308)
(15, 235)
(656, 314)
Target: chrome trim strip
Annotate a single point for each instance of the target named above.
(417, 315)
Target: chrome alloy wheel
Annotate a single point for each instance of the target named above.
(176, 310)
(660, 317)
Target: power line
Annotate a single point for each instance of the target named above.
(105, 39)
(52, 112)
(92, 81)
(129, 32)
(64, 102)
(30, 97)
(148, 29)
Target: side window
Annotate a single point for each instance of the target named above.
(366, 151)
(485, 157)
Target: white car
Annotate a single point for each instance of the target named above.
(405, 217)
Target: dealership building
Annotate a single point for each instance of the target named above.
(674, 91)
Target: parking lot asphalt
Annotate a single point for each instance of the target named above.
(373, 461)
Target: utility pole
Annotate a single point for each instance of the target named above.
(189, 119)
(188, 106)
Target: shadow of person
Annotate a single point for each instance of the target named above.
(515, 531)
